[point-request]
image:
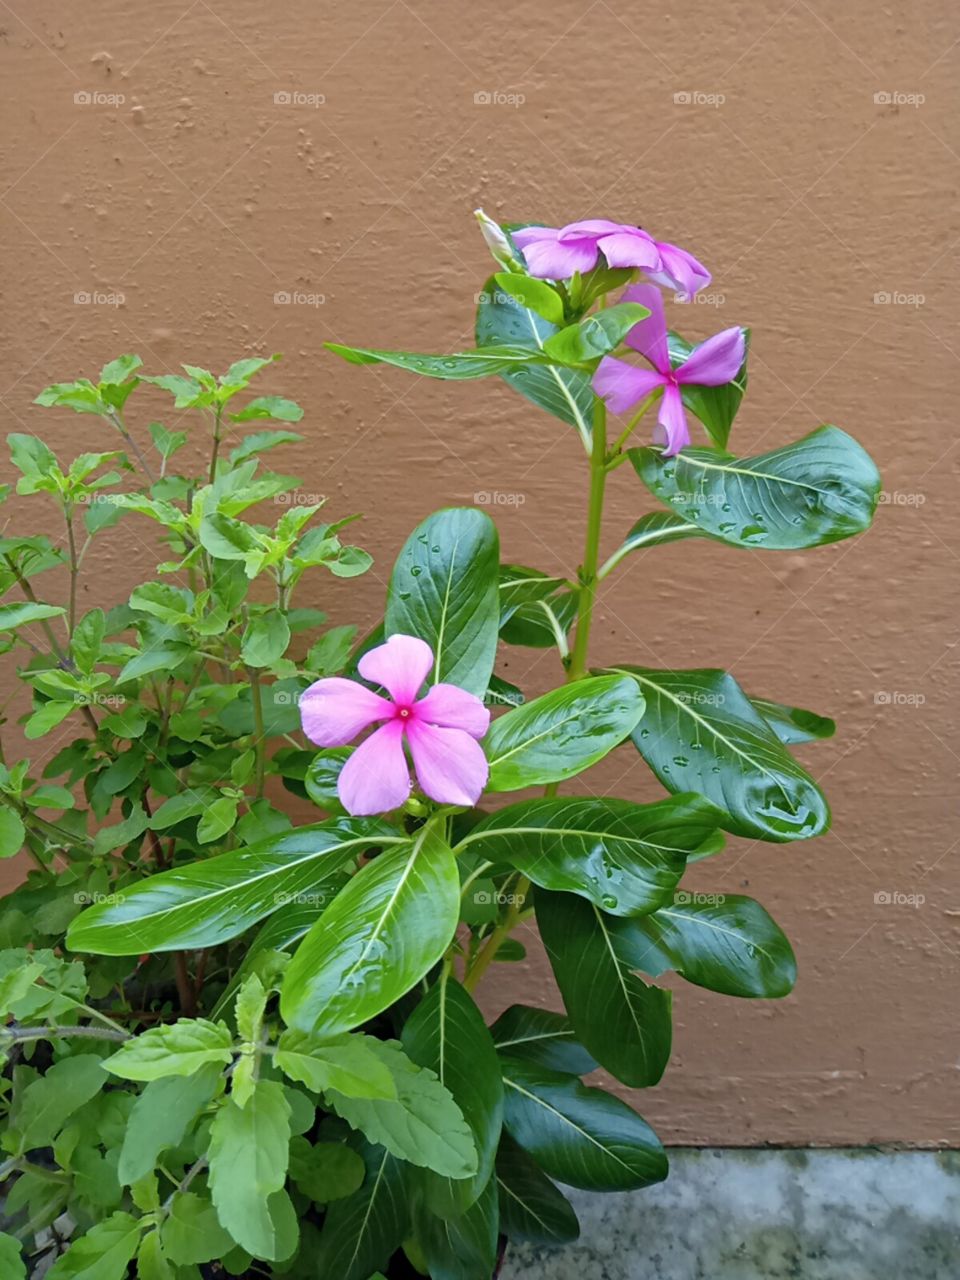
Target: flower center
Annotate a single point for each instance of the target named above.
(404, 713)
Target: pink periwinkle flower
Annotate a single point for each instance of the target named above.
(441, 729)
(553, 253)
(712, 364)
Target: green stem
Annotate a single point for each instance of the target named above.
(488, 952)
(74, 572)
(117, 420)
(577, 667)
(215, 453)
(17, 1034)
(260, 739)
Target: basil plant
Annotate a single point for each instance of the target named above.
(235, 1040)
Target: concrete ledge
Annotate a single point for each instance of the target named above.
(748, 1214)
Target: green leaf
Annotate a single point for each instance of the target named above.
(716, 407)
(166, 442)
(701, 733)
(447, 1033)
(191, 1232)
(161, 1116)
(422, 1124)
(457, 366)
(347, 1063)
(791, 724)
(202, 904)
(723, 942)
(21, 613)
(49, 1101)
(541, 624)
(119, 370)
(542, 1037)
(12, 833)
(11, 1259)
(176, 1049)
(464, 1247)
(325, 1171)
(596, 334)
(534, 294)
(520, 585)
(265, 639)
(444, 590)
(259, 442)
(102, 1253)
(821, 489)
(564, 393)
(29, 454)
(652, 530)
(531, 1207)
(361, 1231)
(623, 857)
(561, 733)
(621, 1021)
(249, 1151)
(379, 936)
(275, 407)
(583, 1137)
(152, 1263)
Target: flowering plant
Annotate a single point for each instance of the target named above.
(338, 1103)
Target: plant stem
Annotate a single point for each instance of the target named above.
(185, 988)
(577, 668)
(488, 952)
(260, 740)
(74, 571)
(18, 1034)
(118, 422)
(215, 453)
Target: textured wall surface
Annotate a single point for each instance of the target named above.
(804, 151)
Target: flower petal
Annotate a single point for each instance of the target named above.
(590, 227)
(334, 711)
(401, 666)
(551, 260)
(453, 708)
(630, 248)
(680, 270)
(716, 361)
(451, 767)
(375, 778)
(529, 235)
(672, 431)
(649, 337)
(623, 385)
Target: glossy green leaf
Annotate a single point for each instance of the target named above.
(624, 857)
(561, 733)
(624, 1023)
(458, 366)
(581, 1136)
(204, 903)
(520, 585)
(564, 393)
(542, 1037)
(792, 724)
(161, 1116)
(701, 733)
(531, 1207)
(464, 1247)
(172, 1049)
(347, 1063)
(596, 334)
(444, 590)
(447, 1033)
(248, 1154)
(102, 1253)
(22, 613)
(422, 1124)
(361, 1231)
(716, 407)
(652, 530)
(378, 937)
(723, 942)
(535, 294)
(822, 488)
(542, 624)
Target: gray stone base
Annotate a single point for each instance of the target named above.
(736, 1214)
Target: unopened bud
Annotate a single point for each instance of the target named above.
(497, 242)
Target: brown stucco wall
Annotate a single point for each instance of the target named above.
(199, 198)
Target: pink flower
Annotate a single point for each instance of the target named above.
(441, 730)
(555, 254)
(711, 364)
